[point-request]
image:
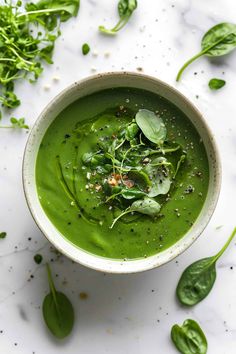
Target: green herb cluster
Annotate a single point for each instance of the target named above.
(125, 10)
(27, 38)
(134, 165)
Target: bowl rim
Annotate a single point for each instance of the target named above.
(146, 265)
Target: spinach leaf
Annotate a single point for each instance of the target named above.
(152, 126)
(216, 84)
(219, 40)
(159, 176)
(3, 235)
(125, 10)
(132, 193)
(198, 279)
(58, 312)
(189, 338)
(146, 206)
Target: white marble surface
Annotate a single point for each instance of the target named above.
(134, 313)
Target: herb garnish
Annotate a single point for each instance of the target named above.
(3, 235)
(198, 279)
(85, 48)
(219, 40)
(58, 312)
(216, 84)
(125, 10)
(189, 338)
(26, 39)
(131, 168)
(16, 123)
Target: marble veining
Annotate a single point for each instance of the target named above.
(133, 313)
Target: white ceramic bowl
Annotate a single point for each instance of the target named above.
(86, 87)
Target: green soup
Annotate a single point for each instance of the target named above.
(94, 164)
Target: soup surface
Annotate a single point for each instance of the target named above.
(122, 173)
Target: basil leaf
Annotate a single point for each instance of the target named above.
(216, 84)
(219, 40)
(189, 338)
(152, 126)
(198, 279)
(58, 312)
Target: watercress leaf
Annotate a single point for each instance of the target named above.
(147, 206)
(151, 125)
(216, 84)
(219, 40)
(198, 279)
(3, 235)
(189, 338)
(64, 8)
(18, 123)
(131, 131)
(58, 312)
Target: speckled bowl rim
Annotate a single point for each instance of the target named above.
(106, 264)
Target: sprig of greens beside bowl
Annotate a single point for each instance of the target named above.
(27, 36)
(218, 41)
(125, 10)
(198, 278)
